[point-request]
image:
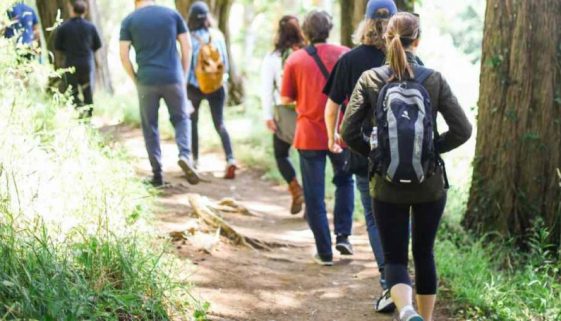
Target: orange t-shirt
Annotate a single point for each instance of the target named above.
(304, 82)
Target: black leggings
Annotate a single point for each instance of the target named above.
(282, 156)
(393, 224)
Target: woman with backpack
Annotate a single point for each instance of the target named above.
(209, 71)
(402, 99)
(289, 38)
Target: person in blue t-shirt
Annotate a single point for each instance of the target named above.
(201, 33)
(78, 40)
(154, 31)
(24, 26)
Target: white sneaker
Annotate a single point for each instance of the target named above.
(384, 304)
(318, 260)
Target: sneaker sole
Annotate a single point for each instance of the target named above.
(343, 249)
(322, 263)
(416, 318)
(191, 175)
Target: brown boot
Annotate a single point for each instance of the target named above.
(297, 197)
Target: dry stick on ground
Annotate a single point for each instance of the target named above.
(205, 212)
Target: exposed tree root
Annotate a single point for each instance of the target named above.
(204, 210)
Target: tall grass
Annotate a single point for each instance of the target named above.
(75, 235)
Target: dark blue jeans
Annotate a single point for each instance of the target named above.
(363, 186)
(216, 101)
(175, 98)
(312, 164)
(282, 156)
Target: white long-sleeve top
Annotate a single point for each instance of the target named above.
(271, 80)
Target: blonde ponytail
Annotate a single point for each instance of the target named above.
(402, 25)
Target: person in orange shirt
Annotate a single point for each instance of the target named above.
(305, 74)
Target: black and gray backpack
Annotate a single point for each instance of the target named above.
(406, 130)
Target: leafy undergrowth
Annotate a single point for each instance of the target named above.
(492, 280)
(75, 238)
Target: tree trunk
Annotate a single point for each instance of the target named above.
(405, 5)
(516, 178)
(49, 11)
(220, 10)
(352, 13)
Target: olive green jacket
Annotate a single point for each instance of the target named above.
(361, 105)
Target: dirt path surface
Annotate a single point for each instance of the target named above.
(248, 285)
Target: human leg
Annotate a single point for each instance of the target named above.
(312, 165)
(363, 186)
(426, 219)
(196, 97)
(86, 77)
(344, 203)
(216, 101)
(282, 157)
(149, 101)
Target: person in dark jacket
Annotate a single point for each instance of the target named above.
(368, 54)
(78, 40)
(393, 202)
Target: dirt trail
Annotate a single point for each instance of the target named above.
(248, 285)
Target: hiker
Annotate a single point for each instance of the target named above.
(367, 55)
(24, 27)
(402, 99)
(305, 74)
(282, 121)
(209, 72)
(153, 30)
(78, 40)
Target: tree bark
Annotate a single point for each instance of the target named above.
(516, 178)
(49, 11)
(220, 10)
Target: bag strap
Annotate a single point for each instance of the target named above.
(313, 52)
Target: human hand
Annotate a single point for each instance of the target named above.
(271, 125)
(335, 145)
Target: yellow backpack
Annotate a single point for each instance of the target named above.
(209, 70)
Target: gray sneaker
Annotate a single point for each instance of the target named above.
(411, 315)
(190, 172)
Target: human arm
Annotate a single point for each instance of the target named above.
(355, 114)
(124, 49)
(331, 112)
(36, 29)
(96, 45)
(186, 52)
(459, 127)
(59, 39)
(269, 75)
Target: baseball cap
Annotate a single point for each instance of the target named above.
(199, 10)
(374, 5)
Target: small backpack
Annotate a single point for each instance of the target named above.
(209, 70)
(406, 130)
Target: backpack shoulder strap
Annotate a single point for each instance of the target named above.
(422, 73)
(312, 51)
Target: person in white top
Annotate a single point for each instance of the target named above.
(289, 38)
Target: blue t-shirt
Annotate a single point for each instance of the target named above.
(217, 40)
(23, 20)
(153, 32)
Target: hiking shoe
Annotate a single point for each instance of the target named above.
(191, 174)
(297, 197)
(384, 304)
(410, 315)
(323, 261)
(344, 246)
(154, 181)
(230, 171)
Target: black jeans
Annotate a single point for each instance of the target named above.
(393, 224)
(282, 156)
(82, 79)
(216, 100)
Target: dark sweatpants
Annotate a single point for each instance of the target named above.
(82, 80)
(393, 224)
(282, 156)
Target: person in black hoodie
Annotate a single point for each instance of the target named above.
(78, 40)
